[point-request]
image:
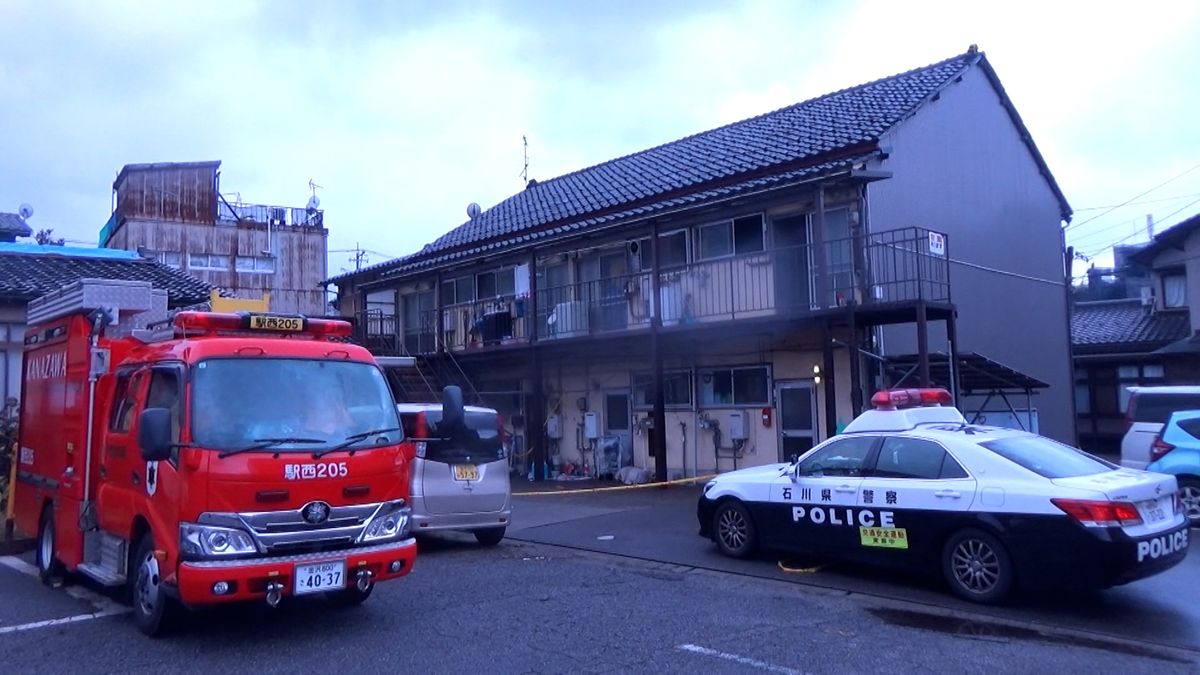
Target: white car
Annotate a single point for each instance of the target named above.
(1149, 409)
(911, 484)
(459, 476)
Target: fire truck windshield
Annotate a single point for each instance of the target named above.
(237, 402)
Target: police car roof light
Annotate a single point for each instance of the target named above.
(1099, 513)
(893, 399)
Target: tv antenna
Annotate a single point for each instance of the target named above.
(525, 171)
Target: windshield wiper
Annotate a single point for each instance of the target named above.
(264, 443)
(351, 440)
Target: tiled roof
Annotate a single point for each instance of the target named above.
(28, 271)
(1125, 326)
(14, 224)
(801, 137)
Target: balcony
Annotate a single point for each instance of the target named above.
(885, 270)
(229, 213)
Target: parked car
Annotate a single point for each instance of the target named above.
(1176, 451)
(460, 475)
(1149, 408)
(911, 484)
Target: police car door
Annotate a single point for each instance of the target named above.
(916, 493)
(818, 498)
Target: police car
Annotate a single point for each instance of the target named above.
(912, 484)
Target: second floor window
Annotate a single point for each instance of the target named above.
(732, 237)
(495, 284)
(208, 261)
(1175, 290)
(458, 291)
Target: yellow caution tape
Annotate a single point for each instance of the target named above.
(614, 488)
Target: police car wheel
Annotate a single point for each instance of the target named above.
(733, 529)
(977, 567)
(1189, 494)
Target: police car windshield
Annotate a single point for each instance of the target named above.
(1047, 458)
(235, 401)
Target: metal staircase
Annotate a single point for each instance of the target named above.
(423, 382)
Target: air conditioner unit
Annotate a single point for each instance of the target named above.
(569, 318)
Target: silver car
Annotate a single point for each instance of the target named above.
(460, 475)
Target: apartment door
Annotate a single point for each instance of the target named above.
(790, 257)
(797, 413)
(617, 425)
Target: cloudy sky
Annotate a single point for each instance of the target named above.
(405, 112)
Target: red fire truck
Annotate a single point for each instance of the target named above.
(206, 458)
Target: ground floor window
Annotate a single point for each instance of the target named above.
(743, 386)
(677, 389)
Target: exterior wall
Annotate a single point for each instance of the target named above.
(690, 449)
(185, 193)
(960, 167)
(12, 349)
(299, 257)
(1186, 258)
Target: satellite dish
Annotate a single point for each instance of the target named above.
(313, 202)
(26, 211)
(473, 210)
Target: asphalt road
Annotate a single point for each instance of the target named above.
(660, 525)
(532, 608)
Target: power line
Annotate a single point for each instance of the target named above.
(1006, 273)
(1144, 201)
(1164, 218)
(1131, 199)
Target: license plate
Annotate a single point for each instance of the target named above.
(320, 577)
(466, 472)
(1157, 510)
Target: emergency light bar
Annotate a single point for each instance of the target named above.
(271, 323)
(894, 399)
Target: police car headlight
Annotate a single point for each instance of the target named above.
(207, 541)
(393, 523)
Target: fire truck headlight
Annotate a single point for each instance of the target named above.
(395, 523)
(206, 541)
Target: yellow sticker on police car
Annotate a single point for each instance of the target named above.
(884, 537)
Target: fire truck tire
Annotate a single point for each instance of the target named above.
(349, 597)
(154, 612)
(48, 566)
(489, 536)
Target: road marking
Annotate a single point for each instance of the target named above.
(13, 562)
(736, 658)
(102, 605)
(58, 622)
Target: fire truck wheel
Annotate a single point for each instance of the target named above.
(48, 566)
(153, 610)
(490, 536)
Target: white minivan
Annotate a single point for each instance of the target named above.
(1149, 409)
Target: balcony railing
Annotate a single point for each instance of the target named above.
(278, 216)
(899, 266)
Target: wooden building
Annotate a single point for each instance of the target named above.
(175, 213)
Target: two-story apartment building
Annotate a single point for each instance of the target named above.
(1148, 340)
(731, 298)
(175, 213)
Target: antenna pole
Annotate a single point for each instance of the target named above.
(525, 171)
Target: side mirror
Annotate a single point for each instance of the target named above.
(452, 410)
(154, 434)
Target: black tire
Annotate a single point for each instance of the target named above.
(349, 597)
(154, 612)
(490, 536)
(49, 568)
(977, 567)
(733, 529)
(1189, 492)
